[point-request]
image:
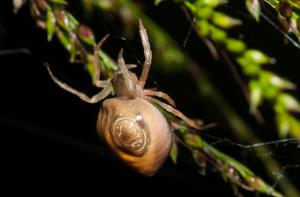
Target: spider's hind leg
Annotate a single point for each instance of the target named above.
(166, 97)
(174, 111)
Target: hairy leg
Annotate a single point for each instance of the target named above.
(147, 53)
(97, 64)
(124, 71)
(94, 99)
(174, 111)
(160, 95)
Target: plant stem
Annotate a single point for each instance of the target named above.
(239, 128)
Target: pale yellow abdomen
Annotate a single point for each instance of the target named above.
(136, 131)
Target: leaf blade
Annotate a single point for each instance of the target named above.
(253, 7)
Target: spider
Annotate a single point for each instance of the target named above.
(129, 123)
(126, 83)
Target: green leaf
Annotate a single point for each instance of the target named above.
(90, 65)
(288, 102)
(235, 46)
(212, 3)
(295, 128)
(193, 140)
(104, 5)
(73, 51)
(190, 6)
(258, 57)
(65, 40)
(281, 83)
(270, 90)
(66, 21)
(249, 68)
(286, 124)
(253, 7)
(259, 185)
(157, 2)
(86, 35)
(205, 12)
(256, 95)
(203, 28)
(217, 35)
(62, 2)
(174, 152)
(271, 79)
(50, 24)
(107, 61)
(283, 124)
(224, 21)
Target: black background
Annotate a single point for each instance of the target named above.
(48, 137)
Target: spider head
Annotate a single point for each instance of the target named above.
(126, 86)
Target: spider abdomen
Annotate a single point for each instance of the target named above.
(129, 135)
(136, 131)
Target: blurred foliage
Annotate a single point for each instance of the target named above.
(263, 84)
(76, 38)
(213, 27)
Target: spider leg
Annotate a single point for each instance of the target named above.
(174, 111)
(130, 66)
(147, 53)
(175, 125)
(94, 99)
(161, 95)
(97, 64)
(124, 71)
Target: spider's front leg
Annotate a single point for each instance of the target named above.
(147, 53)
(124, 70)
(174, 111)
(107, 90)
(97, 64)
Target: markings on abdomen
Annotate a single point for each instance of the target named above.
(128, 135)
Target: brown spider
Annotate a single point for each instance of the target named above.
(126, 83)
(135, 130)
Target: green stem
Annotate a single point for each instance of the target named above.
(240, 129)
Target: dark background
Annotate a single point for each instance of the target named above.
(48, 136)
